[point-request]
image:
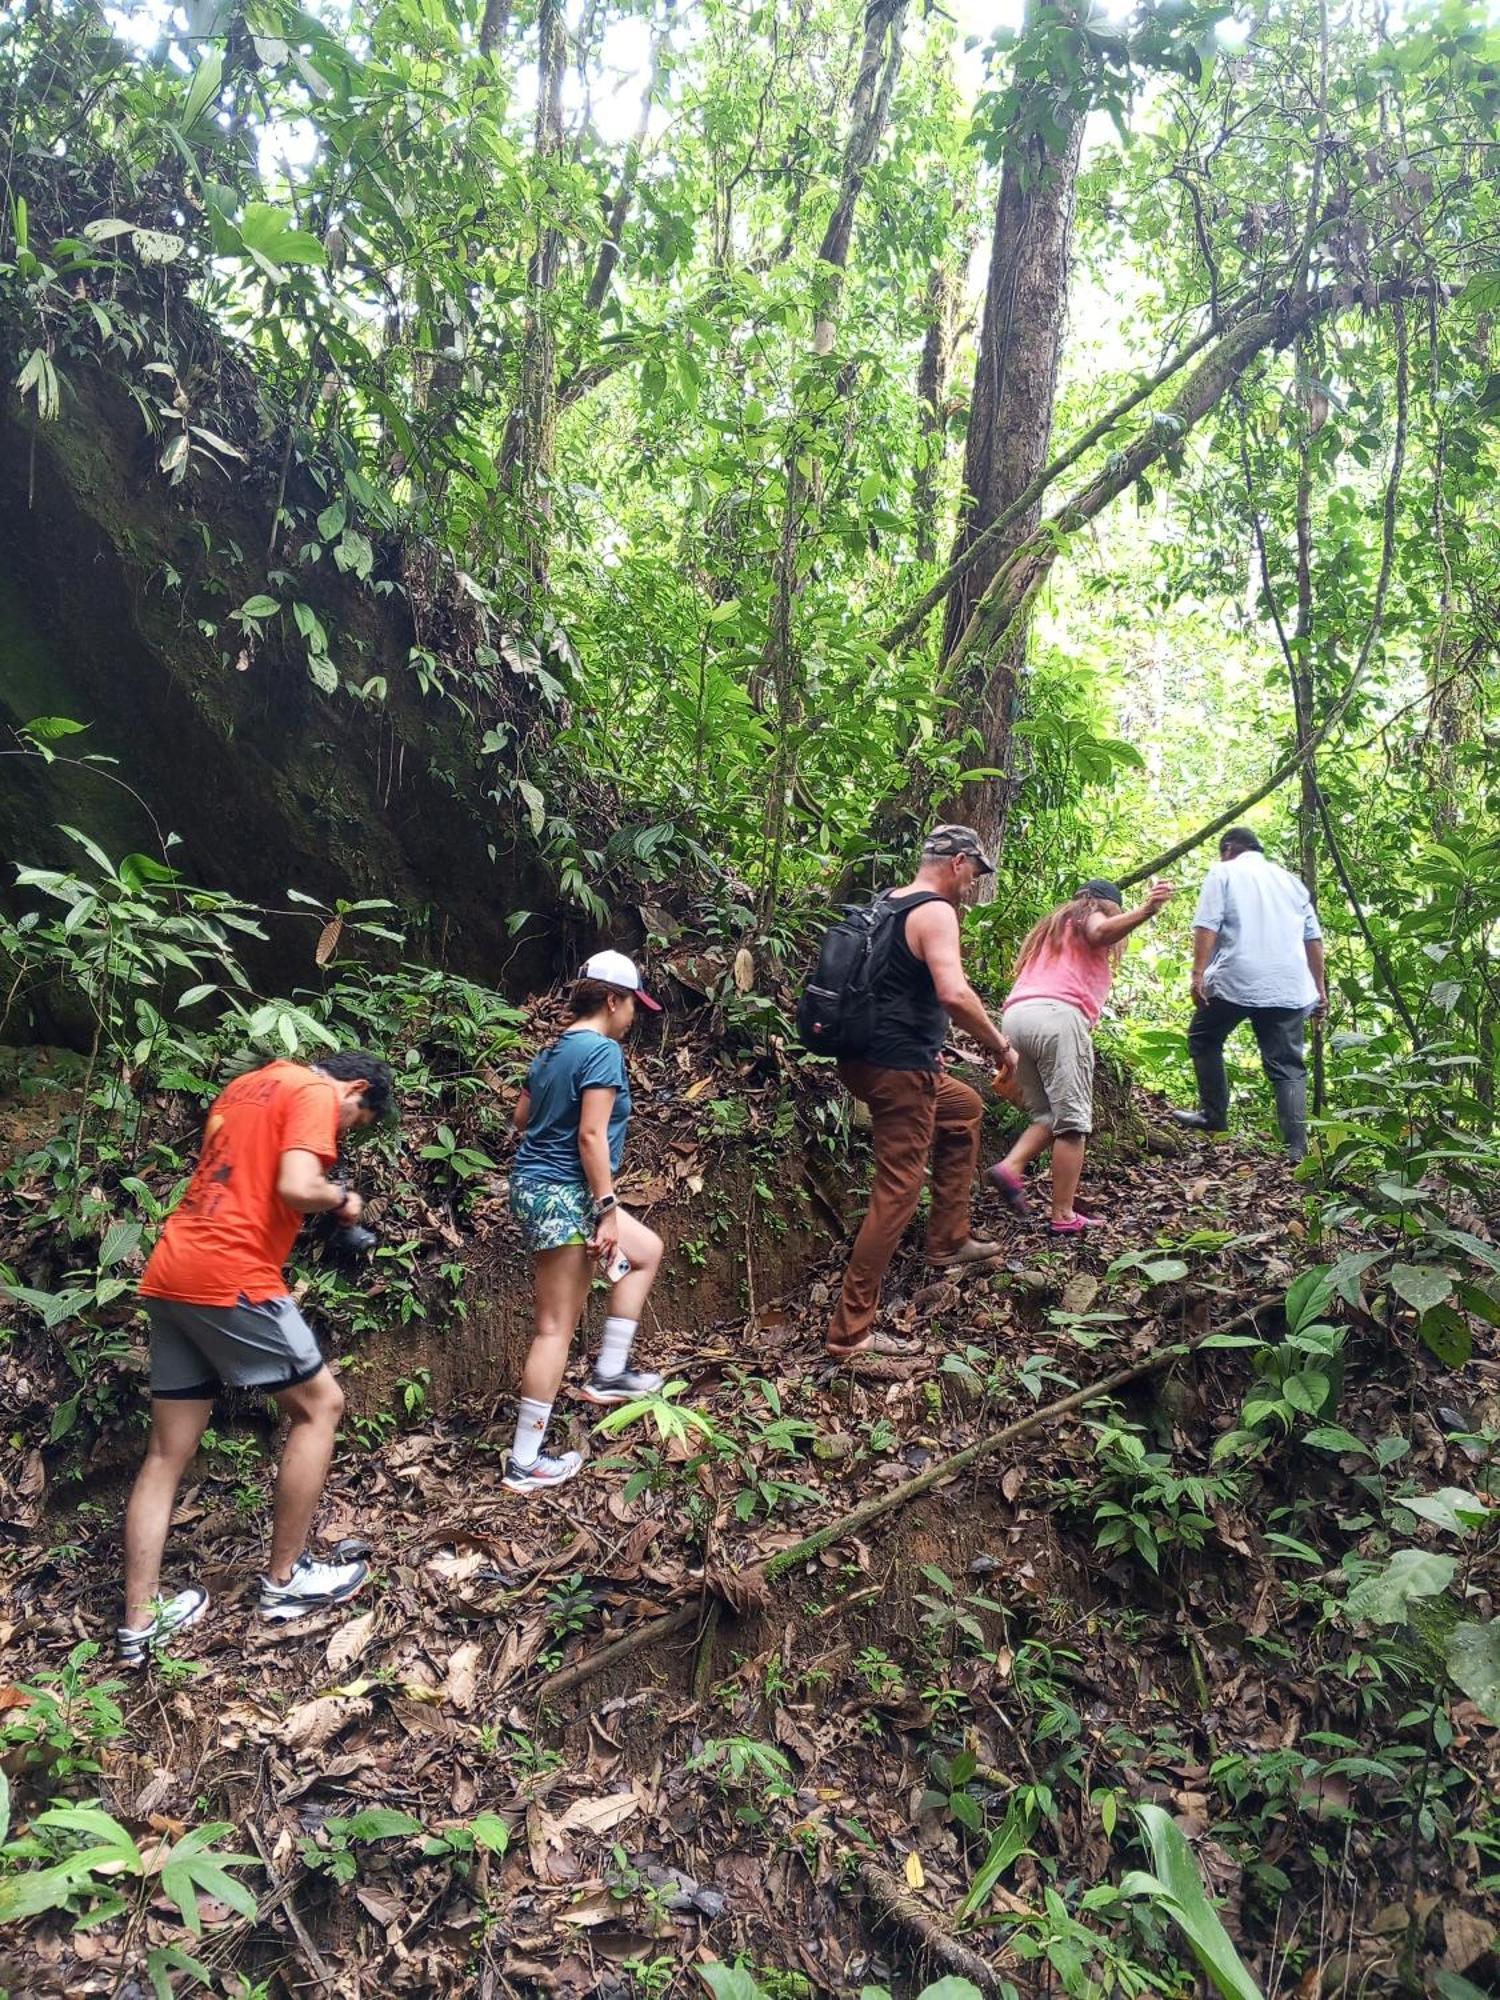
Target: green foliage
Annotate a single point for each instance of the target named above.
(62, 1721)
(1176, 1887)
(85, 1856)
(333, 1849)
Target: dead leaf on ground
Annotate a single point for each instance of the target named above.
(462, 1683)
(599, 1815)
(1466, 1937)
(311, 1724)
(350, 1642)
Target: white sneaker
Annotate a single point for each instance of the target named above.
(625, 1387)
(544, 1472)
(312, 1586)
(135, 1644)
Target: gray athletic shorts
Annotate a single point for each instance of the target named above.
(195, 1349)
(1056, 1070)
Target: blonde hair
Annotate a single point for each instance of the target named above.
(1054, 929)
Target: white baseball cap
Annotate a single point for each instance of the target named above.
(615, 969)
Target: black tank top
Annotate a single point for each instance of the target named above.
(911, 1025)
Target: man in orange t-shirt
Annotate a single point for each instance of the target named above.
(220, 1313)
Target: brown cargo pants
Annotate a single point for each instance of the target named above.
(914, 1113)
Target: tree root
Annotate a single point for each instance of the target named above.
(568, 1678)
(748, 1589)
(894, 1906)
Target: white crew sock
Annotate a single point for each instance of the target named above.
(614, 1354)
(532, 1419)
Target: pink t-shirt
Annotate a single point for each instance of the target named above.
(1075, 972)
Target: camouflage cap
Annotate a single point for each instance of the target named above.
(955, 841)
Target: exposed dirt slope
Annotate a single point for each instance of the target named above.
(719, 1792)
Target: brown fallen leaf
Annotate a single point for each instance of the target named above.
(461, 1685)
(598, 1908)
(1466, 1937)
(311, 1724)
(349, 1643)
(598, 1815)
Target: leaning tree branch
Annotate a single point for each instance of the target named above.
(907, 627)
(1019, 578)
(893, 1905)
(1335, 714)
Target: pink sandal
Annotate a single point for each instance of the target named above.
(1010, 1188)
(1077, 1225)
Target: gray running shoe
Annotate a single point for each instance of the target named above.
(544, 1473)
(623, 1388)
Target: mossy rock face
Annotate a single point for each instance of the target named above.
(268, 782)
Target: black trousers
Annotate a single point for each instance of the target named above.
(1279, 1035)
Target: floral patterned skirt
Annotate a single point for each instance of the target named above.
(551, 1214)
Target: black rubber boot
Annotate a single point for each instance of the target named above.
(1291, 1113)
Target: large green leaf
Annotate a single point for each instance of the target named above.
(1006, 1847)
(1177, 1889)
(192, 1870)
(1474, 1662)
(1451, 1508)
(1386, 1598)
(381, 1823)
(729, 1982)
(1307, 1295)
(204, 88)
(1421, 1285)
(1447, 1335)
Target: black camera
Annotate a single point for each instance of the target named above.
(344, 1243)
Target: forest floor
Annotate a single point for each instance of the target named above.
(455, 1785)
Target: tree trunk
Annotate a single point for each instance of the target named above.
(531, 435)
(492, 28)
(781, 673)
(1010, 430)
(932, 389)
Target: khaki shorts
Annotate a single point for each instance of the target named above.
(1056, 1073)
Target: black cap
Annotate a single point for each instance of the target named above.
(1107, 892)
(958, 840)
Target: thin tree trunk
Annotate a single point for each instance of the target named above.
(619, 208)
(1010, 430)
(932, 390)
(492, 28)
(1304, 697)
(530, 436)
(781, 675)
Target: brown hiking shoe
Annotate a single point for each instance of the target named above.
(978, 1250)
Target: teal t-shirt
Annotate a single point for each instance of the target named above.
(580, 1060)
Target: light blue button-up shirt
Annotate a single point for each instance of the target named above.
(1263, 916)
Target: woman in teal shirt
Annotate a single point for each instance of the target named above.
(573, 1116)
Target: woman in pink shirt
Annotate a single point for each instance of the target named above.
(1063, 978)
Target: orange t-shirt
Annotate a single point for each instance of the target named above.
(231, 1233)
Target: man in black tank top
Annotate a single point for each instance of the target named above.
(916, 1108)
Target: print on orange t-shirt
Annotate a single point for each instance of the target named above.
(231, 1234)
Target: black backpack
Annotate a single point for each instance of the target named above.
(836, 1014)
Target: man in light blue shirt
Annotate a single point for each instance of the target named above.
(1257, 957)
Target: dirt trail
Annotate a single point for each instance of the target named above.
(701, 1794)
